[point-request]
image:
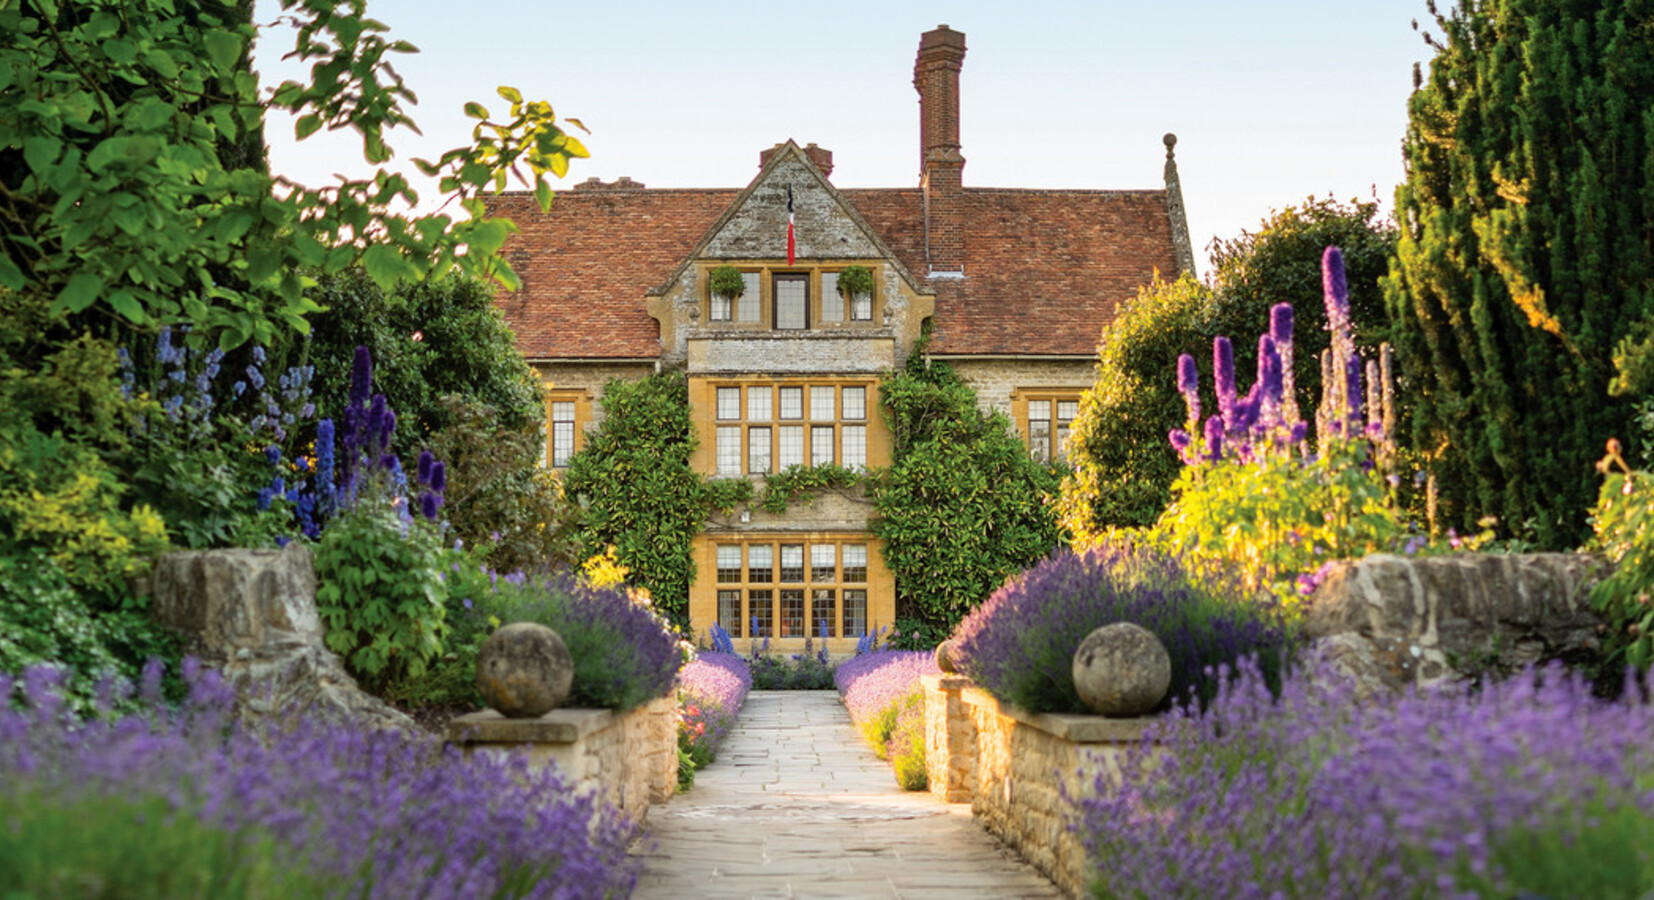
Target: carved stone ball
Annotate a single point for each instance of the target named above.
(1122, 670)
(524, 670)
(944, 657)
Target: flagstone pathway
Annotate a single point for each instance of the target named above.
(797, 806)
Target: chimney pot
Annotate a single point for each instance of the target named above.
(941, 164)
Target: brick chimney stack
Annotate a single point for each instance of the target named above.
(941, 165)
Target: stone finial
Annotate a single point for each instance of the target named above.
(1181, 245)
(945, 653)
(524, 670)
(1122, 670)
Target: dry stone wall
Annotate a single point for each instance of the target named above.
(629, 759)
(1392, 621)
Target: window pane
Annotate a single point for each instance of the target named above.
(855, 613)
(792, 613)
(758, 404)
(729, 403)
(761, 609)
(855, 563)
(821, 445)
(822, 619)
(729, 562)
(821, 403)
(792, 403)
(562, 411)
(729, 449)
(792, 562)
(562, 443)
(720, 308)
(791, 452)
(1039, 439)
(758, 450)
(861, 308)
(823, 562)
(832, 302)
(1062, 442)
(1039, 409)
(751, 299)
(729, 612)
(855, 403)
(1067, 410)
(854, 452)
(792, 295)
(760, 562)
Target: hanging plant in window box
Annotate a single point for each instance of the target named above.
(855, 281)
(727, 281)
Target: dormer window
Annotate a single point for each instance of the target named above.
(792, 302)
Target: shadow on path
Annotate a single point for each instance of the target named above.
(798, 806)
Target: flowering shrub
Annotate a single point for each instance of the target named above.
(1624, 523)
(1020, 644)
(711, 689)
(882, 692)
(185, 804)
(1254, 498)
(811, 670)
(1529, 787)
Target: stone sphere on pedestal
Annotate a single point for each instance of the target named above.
(945, 657)
(1122, 670)
(524, 670)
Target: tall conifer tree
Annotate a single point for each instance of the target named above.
(1526, 252)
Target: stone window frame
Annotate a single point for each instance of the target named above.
(1056, 429)
(582, 417)
(845, 583)
(755, 309)
(844, 431)
(791, 277)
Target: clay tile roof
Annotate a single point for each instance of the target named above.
(586, 265)
(1045, 270)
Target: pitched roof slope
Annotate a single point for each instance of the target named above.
(586, 265)
(1046, 269)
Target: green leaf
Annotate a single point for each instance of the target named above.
(306, 126)
(542, 194)
(385, 265)
(41, 152)
(81, 291)
(224, 47)
(10, 275)
(476, 110)
(162, 62)
(510, 93)
(128, 306)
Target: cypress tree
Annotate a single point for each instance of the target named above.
(1526, 252)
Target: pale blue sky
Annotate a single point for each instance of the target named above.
(1271, 101)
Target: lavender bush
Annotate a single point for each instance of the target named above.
(1529, 788)
(625, 653)
(1019, 645)
(314, 811)
(886, 702)
(711, 689)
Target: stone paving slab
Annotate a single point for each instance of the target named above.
(797, 806)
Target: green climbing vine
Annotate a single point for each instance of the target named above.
(962, 505)
(787, 485)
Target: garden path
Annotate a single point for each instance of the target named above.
(798, 806)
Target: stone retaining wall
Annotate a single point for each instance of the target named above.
(1019, 769)
(630, 759)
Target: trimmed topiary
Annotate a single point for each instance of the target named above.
(726, 281)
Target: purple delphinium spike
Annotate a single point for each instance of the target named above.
(1269, 371)
(1188, 384)
(324, 469)
(424, 468)
(1214, 439)
(439, 476)
(1335, 288)
(1352, 378)
(428, 503)
(361, 377)
(1223, 376)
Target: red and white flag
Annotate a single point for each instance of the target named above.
(791, 245)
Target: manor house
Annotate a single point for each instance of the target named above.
(1016, 285)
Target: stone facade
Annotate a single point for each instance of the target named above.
(1392, 621)
(1019, 769)
(1000, 383)
(630, 760)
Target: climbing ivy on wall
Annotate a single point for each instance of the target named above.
(962, 505)
(640, 495)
